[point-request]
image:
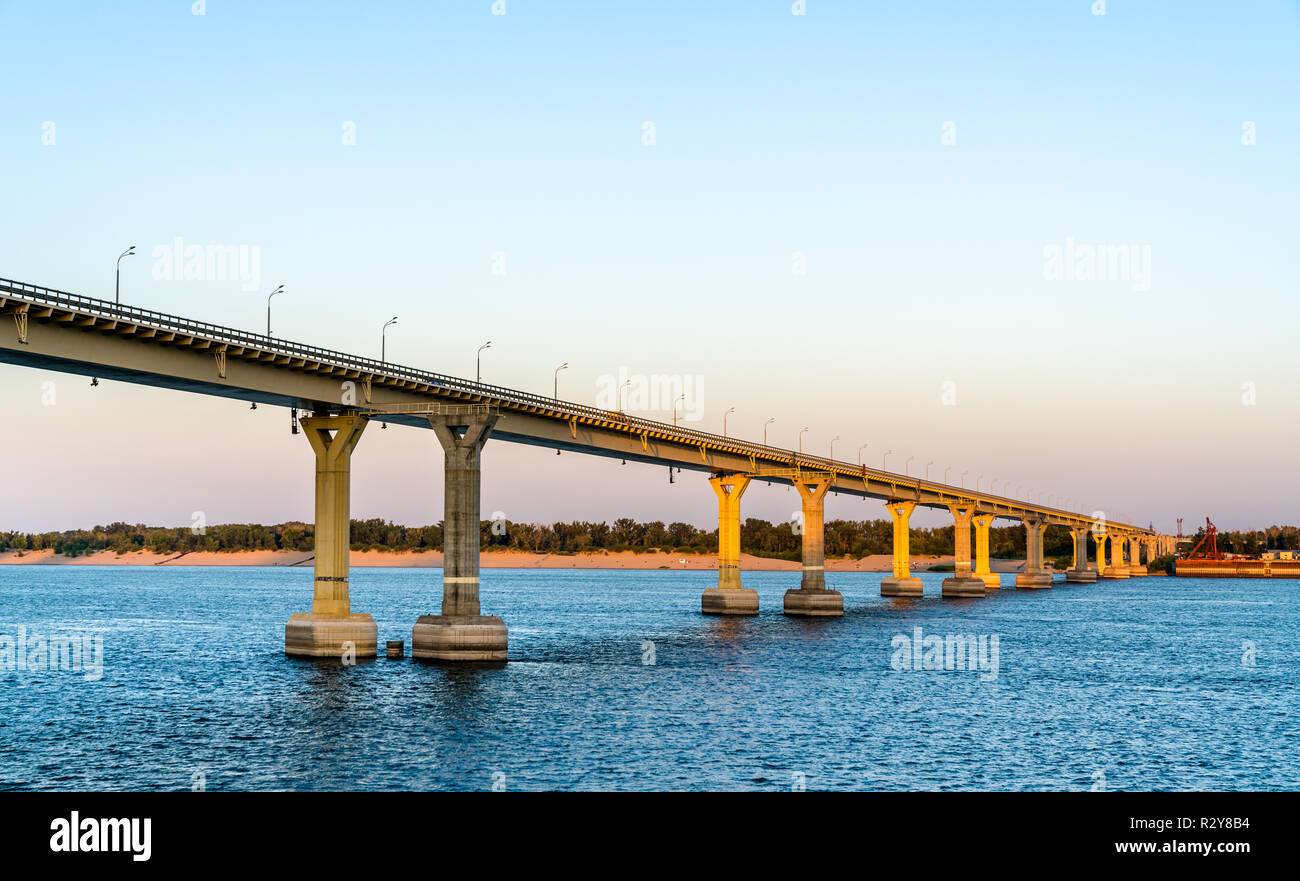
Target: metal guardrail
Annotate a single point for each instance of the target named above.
(217, 333)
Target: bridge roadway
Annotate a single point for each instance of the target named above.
(59, 331)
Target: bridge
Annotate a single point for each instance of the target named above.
(59, 331)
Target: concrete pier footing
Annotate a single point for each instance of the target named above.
(1033, 580)
(729, 601)
(1081, 576)
(312, 635)
(968, 586)
(814, 602)
(459, 638)
(900, 587)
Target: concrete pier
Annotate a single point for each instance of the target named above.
(1035, 576)
(963, 582)
(991, 579)
(461, 632)
(729, 598)
(901, 583)
(1135, 567)
(812, 597)
(1118, 568)
(1079, 572)
(331, 629)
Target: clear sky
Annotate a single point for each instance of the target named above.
(919, 162)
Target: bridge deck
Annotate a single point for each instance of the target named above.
(55, 330)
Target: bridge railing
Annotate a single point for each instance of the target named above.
(231, 336)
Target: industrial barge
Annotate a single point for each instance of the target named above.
(1207, 561)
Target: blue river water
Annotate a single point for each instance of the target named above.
(617, 682)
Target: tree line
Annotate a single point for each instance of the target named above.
(853, 538)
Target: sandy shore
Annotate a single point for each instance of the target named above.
(488, 560)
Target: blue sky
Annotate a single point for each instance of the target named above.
(522, 135)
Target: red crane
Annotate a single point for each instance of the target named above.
(1211, 551)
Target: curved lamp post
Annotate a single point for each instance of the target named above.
(279, 290)
(117, 288)
(383, 340)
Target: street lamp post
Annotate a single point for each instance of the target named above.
(724, 420)
(765, 425)
(860, 449)
(383, 340)
(801, 431)
(622, 401)
(117, 288)
(906, 464)
(679, 398)
(963, 479)
(884, 459)
(478, 361)
(927, 469)
(563, 366)
(279, 290)
(833, 440)
(945, 474)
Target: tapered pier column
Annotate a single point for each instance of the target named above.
(1099, 538)
(1135, 567)
(901, 584)
(1035, 576)
(963, 582)
(729, 598)
(812, 597)
(982, 523)
(461, 632)
(1079, 572)
(331, 629)
(1118, 568)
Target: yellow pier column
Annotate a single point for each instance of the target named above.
(1135, 567)
(1118, 568)
(1079, 573)
(1099, 537)
(812, 597)
(901, 584)
(331, 629)
(982, 523)
(729, 598)
(1035, 576)
(962, 583)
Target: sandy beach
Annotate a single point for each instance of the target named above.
(488, 560)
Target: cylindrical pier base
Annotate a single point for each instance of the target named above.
(729, 601)
(311, 635)
(1033, 581)
(395, 649)
(900, 587)
(1081, 576)
(459, 638)
(968, 586)
(810, 602)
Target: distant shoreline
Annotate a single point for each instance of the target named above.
(507, 559)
